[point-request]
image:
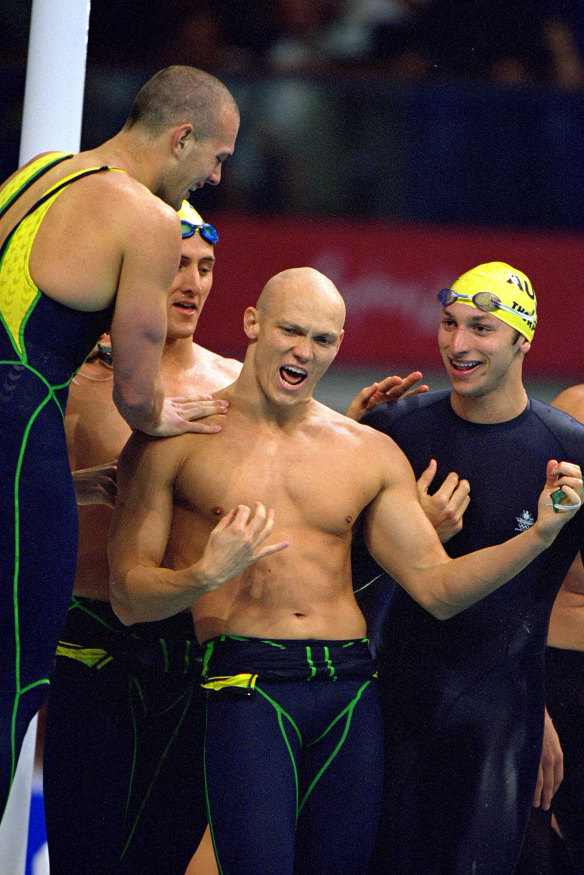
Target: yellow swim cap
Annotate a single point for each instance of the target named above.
(189, 214)
(191, 223)
(499, 289)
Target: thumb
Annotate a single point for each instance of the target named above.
(225, 520)
(550, 474)
(426, 477)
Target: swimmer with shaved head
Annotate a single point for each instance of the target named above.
(252, 527)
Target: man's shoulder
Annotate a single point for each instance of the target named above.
(561, 428)
(136, 203)
(555, 418)
(158, 453)
(370, 448)
(571, 400)
(221, 370)
(384, 416)
(334, 428)
(121, 205)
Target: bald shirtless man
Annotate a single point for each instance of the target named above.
(86, 241)
(293, 753)
(122, 774)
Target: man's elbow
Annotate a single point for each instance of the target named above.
(123, 612)
(440, 610)
(138, 407)
(436, 606)
(121, 605)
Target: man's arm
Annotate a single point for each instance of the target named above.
(402, 540)
(141, 590)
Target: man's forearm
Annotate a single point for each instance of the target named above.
(458, 583)
(144, 595)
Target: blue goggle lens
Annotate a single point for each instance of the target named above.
(207, 232)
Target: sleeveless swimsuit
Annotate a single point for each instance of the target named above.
(42, 345)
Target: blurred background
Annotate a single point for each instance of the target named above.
(392, 144)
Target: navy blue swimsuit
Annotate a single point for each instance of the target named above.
(42, 344)
(292, 755)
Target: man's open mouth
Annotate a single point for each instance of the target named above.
(464, 365)
(185, 305)
(292, 375)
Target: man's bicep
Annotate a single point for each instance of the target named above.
(143, 510)
(397, 532)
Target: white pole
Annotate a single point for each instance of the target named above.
(15, 820)
(51, 119)
(55, 77)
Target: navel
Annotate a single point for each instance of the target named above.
(217, 511)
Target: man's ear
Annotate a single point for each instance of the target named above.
(251, 323)
(180, 137)
(524, 345)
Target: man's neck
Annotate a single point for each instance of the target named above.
(490, 408)
(181, 352)
(178, 365)
(248, 396)
(123, 152)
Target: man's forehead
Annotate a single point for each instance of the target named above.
(310, 315)
(196, 247)
(471, 315)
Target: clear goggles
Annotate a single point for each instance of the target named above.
(485, 301)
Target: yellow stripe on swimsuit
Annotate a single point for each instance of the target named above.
(245, 680)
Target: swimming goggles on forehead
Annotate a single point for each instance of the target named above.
(485, 301)
(207, 232)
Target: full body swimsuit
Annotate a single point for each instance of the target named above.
(139, 797)
(292, 755)
(42, 344)
(463, 699)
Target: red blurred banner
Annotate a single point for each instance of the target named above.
(389, 275)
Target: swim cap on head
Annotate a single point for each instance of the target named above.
(189, 214)
(191, 223)
(495, 283)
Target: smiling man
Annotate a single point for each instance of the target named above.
(463, 700)
(293, 740)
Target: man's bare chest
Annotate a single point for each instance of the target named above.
(308, 483)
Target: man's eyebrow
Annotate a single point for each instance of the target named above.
(479, 316)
